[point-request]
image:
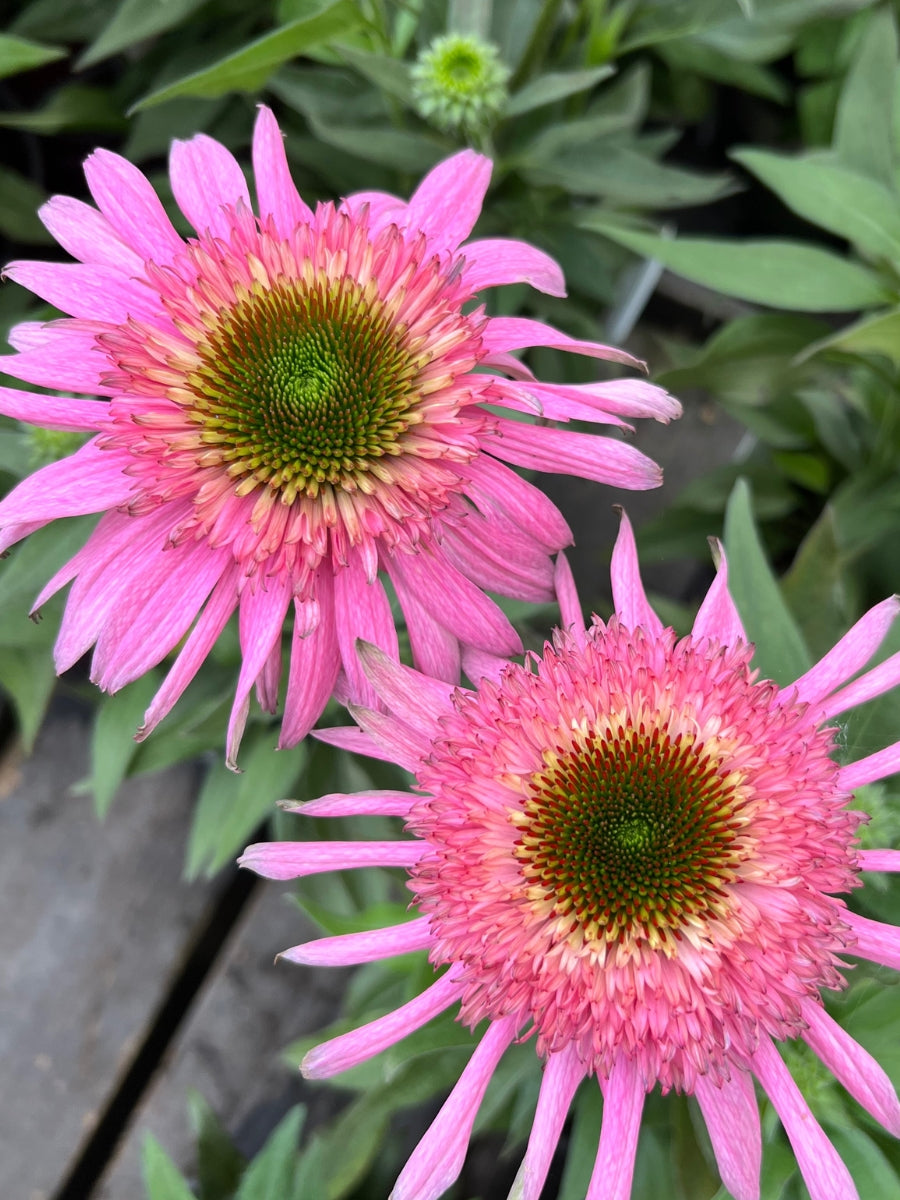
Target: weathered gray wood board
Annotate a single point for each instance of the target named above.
(229, 1047)
(94, 922)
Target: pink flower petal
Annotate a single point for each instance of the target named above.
(447, 202)
(404, 744)
(824, 1174)
(315, 660)
(851, 653)
(162, 603)
(276, 194)
(718, 618)
(53, 412)
(435, 650)
(364, 1043)
(361, 610)
(875, 941)
(87, 235)
(499, 560)
(382, 208)
(89, 292)
(349, 949)
(865, 770)
(206, 178)
(496, 490)
(856, 1069)
(126, 198)
(295, 860)
(494, 261)
(438, 1159)
(562, 1074)
(269, 680)
(630, 600)
(61, 355)
(570, 612)
(260, 621)
(623, 1103)
(588, 455)
(193, 653)
(414, 698)
(873, 683)
(377, 803)
(732, 1120)
(347, 737)
(478, 665)
(519, 333)
(87, 481)
(879, 860)
(453, 600)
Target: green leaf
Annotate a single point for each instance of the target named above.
(863, 127)
(873, 335)
(626, 175)
(219, 1165)
(583, 1141)
(271, 1174)
(19, 202)
(232, 805)
(402, 150)
(555, 85)
(385, 72)
(249, 68)
(72, 107)
(162, 1179)
(112, 741)
(18, 54)
(32, 562)
(870, 1169)
(133, 21)
(816, 588)
(28, 678)
(780, 651)
(838, 198)
(781, 274)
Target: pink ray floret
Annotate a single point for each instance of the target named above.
(294, 404)
(636, 851)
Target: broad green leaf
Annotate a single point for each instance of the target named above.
(19, 201)
(219, 1164)
(816, 588)
(555, 85)
(72, 107)
(781, 274)
(162, 1179)
(19, 54)
(624, 174)
(870, 1169)
(270, 1176)
(28, 677)
(837, 197)
(863, 127)
(873, 335)
(711, 63)
(112, 741)
(232, 805)
(248, 69)
(780, 651)
(385, 72)
(133, 21)
(397, 148)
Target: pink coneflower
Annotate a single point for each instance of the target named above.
(293, 406)
(635, 850)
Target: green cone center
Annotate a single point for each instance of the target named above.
(631, 834)
(303, 384)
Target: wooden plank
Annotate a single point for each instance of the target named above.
(229, 1048)
(95, 921)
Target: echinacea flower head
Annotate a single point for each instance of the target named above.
(459, 83)
(291, 402)
(637, 851)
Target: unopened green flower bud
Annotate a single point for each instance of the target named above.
(459, 84)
